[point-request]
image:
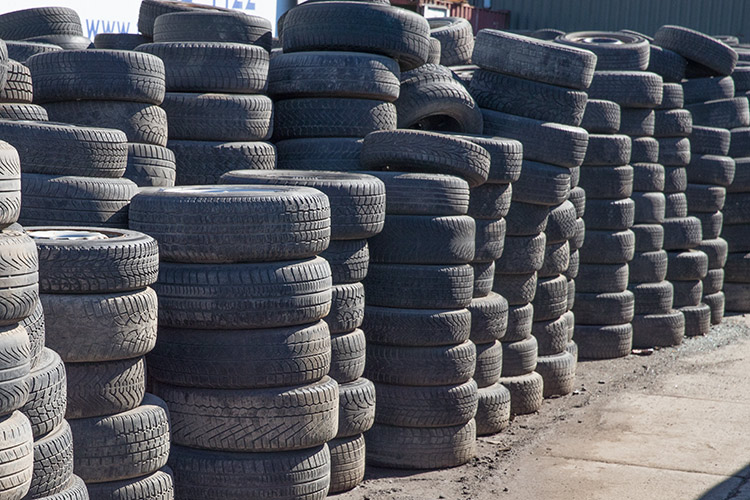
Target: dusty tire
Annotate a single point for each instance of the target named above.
(96, 389)
(204, 162)
(53, 462)
(493, 410)
(603, 341)
(526, 393)
(417, 327)
(150, 166)
(420, 366)
(426, 407)
(45, 407)
(448, 286)
(558, 372)
(16, 456)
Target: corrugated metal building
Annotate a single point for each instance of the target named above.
(716, 17)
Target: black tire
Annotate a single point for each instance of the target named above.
(673, 123)
(661, 329)
(40, 21)
(601, 117)
(558, 372)
(347, 308)
(493, 410)
(66, 42)
(648, 237)
(519, 358)
(526, 393)
(632, 89)
(737, 236)
(16, 455)
(542, 184)
(53, 462)
(695, 46)
(553, 143)
(76, 489)
(18, 86)
(645, 150)
(417, 327)
(713, 282)
(415, 448)
(517, 55)
(737, 295)
(697, 320)
(218, 117)
(184, 221)
(20, 50)
(347, 463)
(212, 66)
(45, 407)
(99, 75)
(340, 154)
(673, 96)
(675, 180)
(688, 293)
(490, 240)
(208, 25)
(613, 215)
(18, 281)
(521, 97)
(356, 407)
(522, 254)
(489, 364)
(71, 150)
(705, 198)
(124, 445)
(437, 240)
(604, 341)
(517, 289)
(15, 111)
(158, 486)
(573, 267)
(676, 205)
(717, 303)
(520, 323)
(259, 295)
(259, 420)
(456, 39)
(101, 327)
(561, 224)
(426, 407)
(490, 201)
(421, 366)
(578, 198)
(551, 335)
(710, 140)
(652, 298)
(120, 41)
(438, 105)
(204, 162)
(96, 389)
(347, 356)
(723, 113)
(604, 278)
(608, 150)
(15, 366)
(10, 185)
(551, 298)
(217, 475)
(441, 286)
(648, 267)
(610, 183)
(711, 223)
(738, 267)
(334, 74)
(357, 201)
(526, 219)
(710, 169)
(79, 201)
(143, 123)
(576, 243)
(82, 260)
(717, 251)
(740, 143)
(637, 122)
(682, 233)
(424, 194)
(670, 65)
(150, 165)
(699, 90)
(614, 50)
(608, 247)
(489, 318)
(348, 259)
(398, 34)
(484, 278)
(279, 357)
(649, 207)
(604, 308)
(34, 325)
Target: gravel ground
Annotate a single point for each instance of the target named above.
(496, 455)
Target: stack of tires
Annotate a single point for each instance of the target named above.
(508, 87)
(100, 317)
(216, 66)
(606, 178)
(242, 354)
(417, 289)
(455, 36)
(621, 78)
(113, 89)
(709, 96)
(17, 92)
(736, 219)
(338, 78)
(44, 27)
(357, 213)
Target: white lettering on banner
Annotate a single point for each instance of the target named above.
(121, 16)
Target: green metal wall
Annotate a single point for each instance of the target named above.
(716, 17)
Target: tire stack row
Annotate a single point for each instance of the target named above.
(100, 317)
(338, 78)
(17, 92)
(357, 213)
(242, 355)
(709, 96)
(45, 28)
(736, 219)
(77, 179)
(508, 87)
(216, 66)
(419, 284)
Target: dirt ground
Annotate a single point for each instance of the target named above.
(505, 461)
